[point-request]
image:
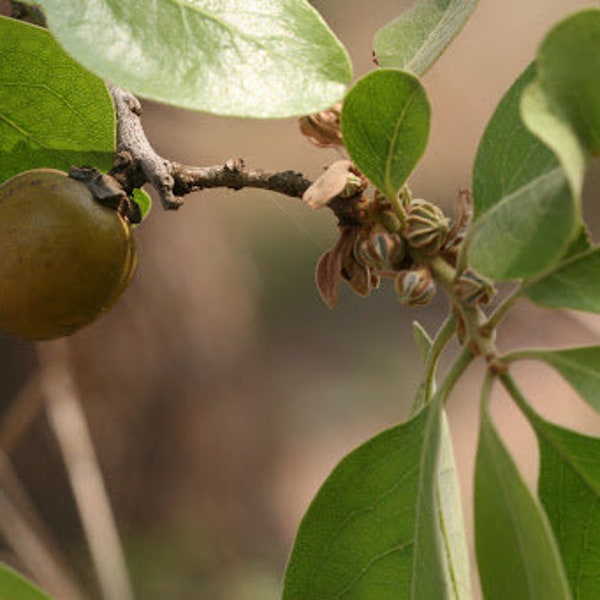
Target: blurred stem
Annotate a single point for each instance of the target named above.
(459, 366)
(68, 422)
(28, 539)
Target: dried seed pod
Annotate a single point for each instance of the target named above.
(426, 227)
(323, 128)
(415, 287)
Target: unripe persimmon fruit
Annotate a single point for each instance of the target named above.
(64, 257)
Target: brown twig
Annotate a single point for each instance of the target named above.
(138, 163)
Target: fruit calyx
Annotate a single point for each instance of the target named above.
(107, 191)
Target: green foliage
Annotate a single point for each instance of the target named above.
(579, 366)
(574, 283)
(371, 531)
(385, 124)
(415, 40)
(14, 586)
(524, 213)
(387, 523)
(516, 551)
(53, 113)
(569, 488)
(143, 201)
(252, 58)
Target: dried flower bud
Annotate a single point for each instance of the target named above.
(378, 249)
(472, 289)
(415, 287)
(426, 227)
(338, 179)
(323, 128)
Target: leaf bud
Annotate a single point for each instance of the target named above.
(426, 227)
(415, 287)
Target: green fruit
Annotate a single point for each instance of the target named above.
(64, 258)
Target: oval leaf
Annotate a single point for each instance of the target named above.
(569, 488)
(385, 125)
(372, 529)
(568, 66)
(575, 284)
(516, 551)
(415, 40)
(14, 586)
(579, 366)
(53, 113)
(251, 58)
(524, 212)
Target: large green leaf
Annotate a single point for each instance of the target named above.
(579, 366)
(562, 106)
(251, 58)
(568, 66)
(575, 283)
(53, 113)
(524, 212)
(415, 40)
(455, 554)
(14, 586)
(516, 551)
(569, 488)
(385, 124)
(372, 531)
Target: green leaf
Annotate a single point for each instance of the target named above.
(422, 339)
(455, 552)
(250, 58)
(542, 118)
(569, 488)
(579, 366)
(574, 283)
(516, 551)
(372, 531)
(524, 213)
(415, 40)
(385, 125)
(568, 66)
(53, 113)
(143, 200)
(14, 586)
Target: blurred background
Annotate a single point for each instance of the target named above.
(221, 391)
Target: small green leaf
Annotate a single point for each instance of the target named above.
(385, 125)
(250, 58)
(569, 488)
(53, 113)
(579, 366)
(422, 338)
(524, 213)
(372, 531)
(568, 66)
(13, 586)
(516, 551)
(574, 283)
(143, 200)
(415, 40)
